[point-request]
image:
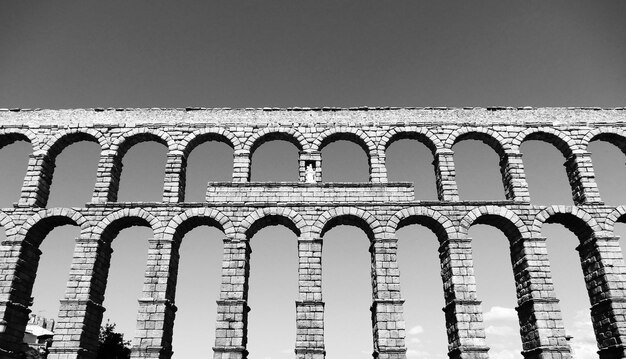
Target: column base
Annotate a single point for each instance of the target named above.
(151, 353)
(238, 352)
(390, 353)
(310, 353)
(465, 352)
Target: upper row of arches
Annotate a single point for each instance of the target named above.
(502, 141)
(114, 146)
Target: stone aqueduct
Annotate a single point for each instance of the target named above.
(240, 208)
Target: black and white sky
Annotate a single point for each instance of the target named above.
(114, 53)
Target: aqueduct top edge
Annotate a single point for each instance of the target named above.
(552, 116)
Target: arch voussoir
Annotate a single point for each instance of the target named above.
(434, 220)
(582, 217)
(130, 216)
(372, 223)
(294, 220)
(200, 215)
(500, 217)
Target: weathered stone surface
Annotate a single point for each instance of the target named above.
(241, 208)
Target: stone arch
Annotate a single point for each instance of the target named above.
(616, 216)
(31, 175)
(127, 139)
(421, 134)
(488, 136)
(198, 137)
(351, 216)
(9, 136)
(614, 136)
(56, 144)
(266, 134)
(37, 227)
(123, 143)
(351, 134)
(577, 220)
(579, 175)
(557, 138)
(23, 267)
(7, 223)
(434, 220)
(184, 222)
(499, 144)
(110, 226)
(59, 141)
(502, 218)
(263, 217)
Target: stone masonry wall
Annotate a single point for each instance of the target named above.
(310, 208)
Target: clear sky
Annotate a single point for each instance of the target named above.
(66, 54)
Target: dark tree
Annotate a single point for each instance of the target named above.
(112, 344)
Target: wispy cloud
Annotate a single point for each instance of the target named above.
(583, 340)
(418, 329)
(500, 313)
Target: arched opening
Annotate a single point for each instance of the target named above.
(127, 267)
(273, 288)
(569, 283)
(14, 153)
(44, 268)
(546, 175)
(275, 158)
(420, 282)
(496, 288)
(478, 167)
(197, 289)
(347, 288)
(410, 159)
(345, 158)
(75, 171)
(143, 161)
(210, 161)
(607, 153)
(57, 250)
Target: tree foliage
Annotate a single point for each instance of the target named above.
(112, 344)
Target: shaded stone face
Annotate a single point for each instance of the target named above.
(310, 208)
